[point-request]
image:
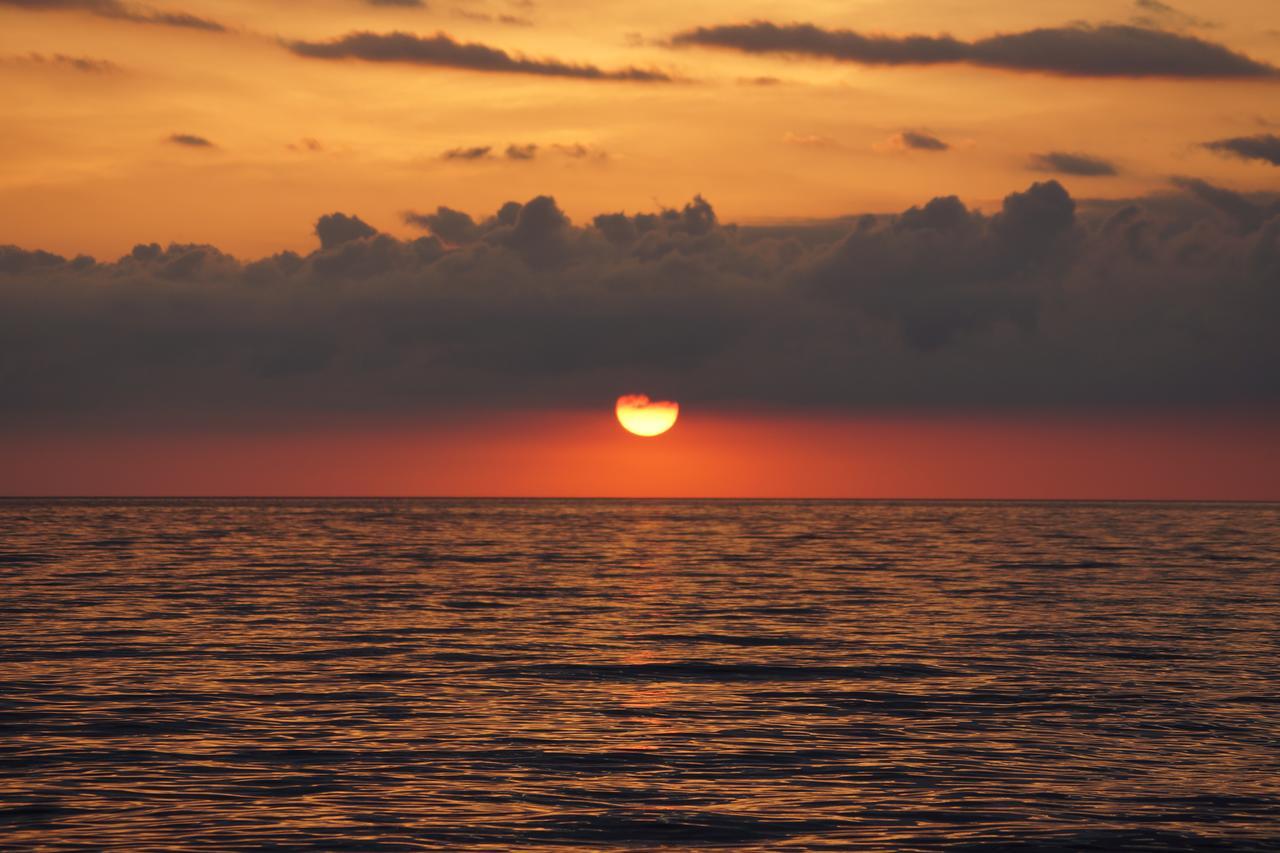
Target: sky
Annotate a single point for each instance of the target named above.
(945, 248)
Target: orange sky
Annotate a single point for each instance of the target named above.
(85, 165)
(122, 128)
(707, 454)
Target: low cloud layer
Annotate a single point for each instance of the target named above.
(135, 13)
(1107, 50)
(1264, 147)
(443, 51)
(1169, 300)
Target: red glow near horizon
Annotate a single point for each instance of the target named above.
(584, 454)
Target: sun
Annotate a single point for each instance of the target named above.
(641, 416)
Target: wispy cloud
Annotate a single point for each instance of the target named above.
(1065, 163)
(138, 14)
(477, 152)
(522, 152)
(190, 140)
(809, 140)
(84, 64)
(1108, 50)
(1264, 147)
(920, 141)
(443, 51)
(912, 140)
(1154, 13)
(308, 143)
(485, 17)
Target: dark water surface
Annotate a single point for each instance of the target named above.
(385, 675)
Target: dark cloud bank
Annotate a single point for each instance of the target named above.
(1107, 50)
(1168, 301)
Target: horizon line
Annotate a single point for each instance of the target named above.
(649, 498)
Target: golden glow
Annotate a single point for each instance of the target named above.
(641, 416)
(331, 136)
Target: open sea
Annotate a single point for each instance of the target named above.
(426, 675)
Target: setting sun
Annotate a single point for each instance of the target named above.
(641, 416)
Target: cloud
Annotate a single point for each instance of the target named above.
(922, 141)
(809, 140)
(84, 64)
(1247, 214)
(525, 151)
(911, 140)
(511, 20)
(1162, 301)
(308, 144)
(1264, 147)
(579, 151)
(443, 51)
(402, 4)
(476, 152)
(118, 10)
(335, 229)
(540, 233)
(190, 140)
(1153, 13)
(452, 226)
(1106, 50)
(1080, 165)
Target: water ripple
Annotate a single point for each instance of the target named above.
(437, 675)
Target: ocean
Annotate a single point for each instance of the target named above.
(468, 674)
